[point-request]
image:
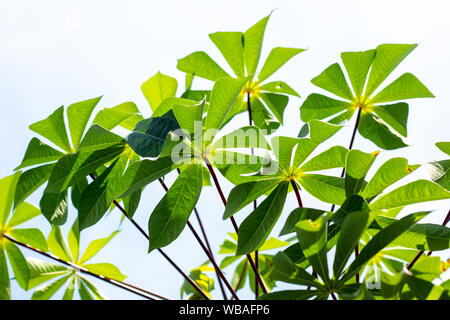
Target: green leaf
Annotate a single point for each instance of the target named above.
(7, 190)
(256, 228)
(46, 292)
(57, 245)
(332, 79)
(95, 200)
(84, 292)
(23, 213)
(189, 116)
(149, 135)
(425, 237)
(201, 65)
(276, 59)
(413, 192)
(54, 129)
(240, 275)
(31, 236)
(357, 65)
(312, 236)
(5, 286)
(126, 115)
(381, 240)
(276, 103)
(273, 243)
(42, 271)
(68, 294)
(245, 137)
(297, 215)
(407, 86)
(237, 167)
(131, 202)
(73, 167)
(30, 181)
(169, 217)
(395, 115)
(158, 88)
(230, 45)
(167, 104)
(243, 194)
(325, 188)
(387, 174)
(440, 173)
(97, 293)
(331, 158)
(357, 165)
(352, 228)
(223, 95)
(18, 264)
(74, 241)
(141, 173)
(253, 39)
(444, 147)
(78, 115)
(106, 269)
(319, 131)
(387, 58)
(54, 207)
(37, 153)
(278, 87)
(283, 148)
(380, 134)
(95, 246)
(99, 138)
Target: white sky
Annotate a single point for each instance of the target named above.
(59, 52)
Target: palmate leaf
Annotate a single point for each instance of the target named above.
(385, 125)
(357, 165)
(169, 217)
(242, 51)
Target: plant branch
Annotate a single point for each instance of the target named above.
(411, 264)
(235, 226)
(131, 288)
(297, 193)
(219, 272)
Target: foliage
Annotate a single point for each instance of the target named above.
(366, 249)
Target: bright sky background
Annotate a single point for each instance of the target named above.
(58, 52)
